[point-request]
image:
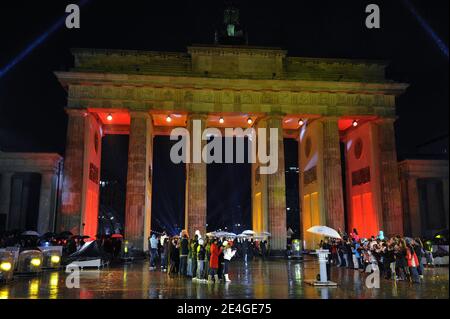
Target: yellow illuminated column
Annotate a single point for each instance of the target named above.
(259, 190)
(276, 189)
(332, 174)
(320, 176)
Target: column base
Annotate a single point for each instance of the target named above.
(277, 253)
(321, 283)
(133, 255)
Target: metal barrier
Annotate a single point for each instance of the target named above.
(6, 266)
(30, 262)
(51, 257)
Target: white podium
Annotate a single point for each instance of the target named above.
(322, 257)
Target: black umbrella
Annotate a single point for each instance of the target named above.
(65, 235)
(80, 237)
(48, 235)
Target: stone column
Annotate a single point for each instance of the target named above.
(332, 174)
(259, 187)
(389, 181)
(300, 185)
(195, 216)
(139, 179)
(72, 188)
(46, 202)
(446, 203)
(5, 194)
(415, 220)
(276, 190)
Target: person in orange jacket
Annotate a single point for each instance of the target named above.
(413, 263)
(214, 261)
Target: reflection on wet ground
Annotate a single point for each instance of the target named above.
(270, 279)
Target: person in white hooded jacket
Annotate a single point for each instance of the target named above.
(228, 253)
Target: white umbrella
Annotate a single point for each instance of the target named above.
(221, 234)
(230, 235)
(324, 231)
(30, 233)
(211, 234)
(242, 236)
(265, 233)
(249, 232)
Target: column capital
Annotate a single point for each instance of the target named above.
(385, 120)
(8, 174)
(140, 114)
(76, 112)
(275, 115)
(328, 119)
(48, 173)
(197, 116)
(271, 116)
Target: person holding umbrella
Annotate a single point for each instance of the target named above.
(228, 253)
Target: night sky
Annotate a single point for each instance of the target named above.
(32, 102)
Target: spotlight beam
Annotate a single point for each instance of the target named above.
(38, 41)
(437, 40)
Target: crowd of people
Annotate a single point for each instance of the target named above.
(207, 259)
(396, 258)
(204, 259)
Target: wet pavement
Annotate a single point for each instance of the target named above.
(257, 280)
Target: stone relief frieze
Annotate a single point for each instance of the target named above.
(84, 96)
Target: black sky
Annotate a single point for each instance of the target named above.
(32, 102)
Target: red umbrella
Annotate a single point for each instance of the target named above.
(116, 236)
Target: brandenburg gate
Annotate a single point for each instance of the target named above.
(341, 112)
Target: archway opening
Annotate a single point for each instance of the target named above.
(168, 189)
(113, 184)
(229, 206)
(292, 188)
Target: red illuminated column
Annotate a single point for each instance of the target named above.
(332, 174)
(389, 179)
(363, 180)
(195, 215)
(139, 181)
(80, 189)
(69, 218)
